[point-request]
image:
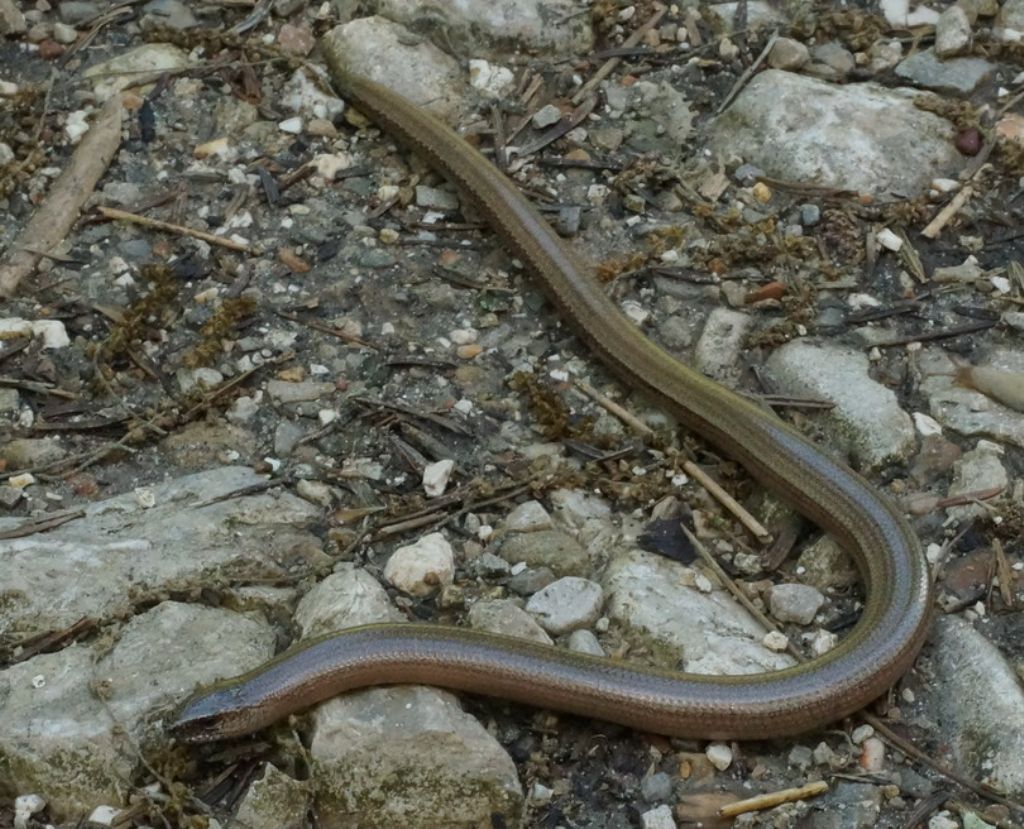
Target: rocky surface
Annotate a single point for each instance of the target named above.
(345, 404)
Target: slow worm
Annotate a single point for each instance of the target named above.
(875, 654)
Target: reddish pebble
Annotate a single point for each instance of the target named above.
(968, 141)
(772, 290)
(51, 49)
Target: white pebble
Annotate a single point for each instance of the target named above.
(103, 815)
(775, 640)
(293, 126)
(658, 818)
(25, 806)
(872, 755)
(436, 477)
(419, 569)
(889, 240)
(861, 733)
(719, 755)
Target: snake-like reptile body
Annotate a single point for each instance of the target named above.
(875, 654)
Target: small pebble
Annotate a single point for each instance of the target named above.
(421, 568)
(659, 818)
(436, 477)
(872, 755)
(968, 142)
(719, 755)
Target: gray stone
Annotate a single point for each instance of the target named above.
(835, 56)
(721, 343)
(415, 68)
(1010, 21)
(978, 699)
(788, 54)
(824, 564)
(961, 75)
(172, 13)
(867, 421)
(529, 581)
(12, 21)
(527, 517)
(124, 550)
(584, 641)
(348, 597)
(810, 215)
(506, 617)
(409, 756)
(655, 787)
(546, 116)
(60, 740)
(797, 603)
(567, 604)
(287, 435)
(549, 26)
(436, 198)
(274, 801)
(25, 453)
(552, 549)
(710, 631)
(978, 470)
(488, 566)
(284, 392)
(952, 32)
(79, 11)
(852, 137)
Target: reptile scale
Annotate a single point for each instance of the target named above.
(879, 649)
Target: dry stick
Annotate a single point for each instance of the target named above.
(772, 799)
(57, 215)
(755, 527)
(609, 65)
(943, 217)
(724, 498)
(134, 218)
(33, 527)
(1003, 572)
(741, 81)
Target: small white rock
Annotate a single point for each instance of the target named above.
(926, 425)
(103, 815)
(822, 642)
(658, 818)
(943, 820)
(527, 517)
(775, 640)
(421, 568)
(719, 755)
(872, 755)
(25, 806)
(889, 240)
(436, 477)
(861, 733)
(293, 125)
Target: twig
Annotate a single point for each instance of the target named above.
(741, 81)
(134, 218)
(1003, 572)
(42, 525)
(755, 527)
(772, 799)
(620, 412)
(609, 66)
(56, 216)
(945, 333)
(734, 589)
(944, 216)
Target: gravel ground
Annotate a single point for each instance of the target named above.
(271, 380)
